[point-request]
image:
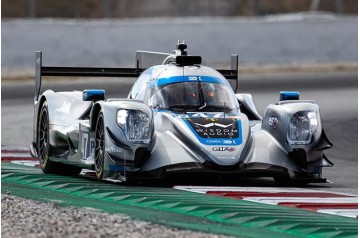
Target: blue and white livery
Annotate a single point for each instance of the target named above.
(181, 122)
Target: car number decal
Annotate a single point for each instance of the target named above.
(87, 147)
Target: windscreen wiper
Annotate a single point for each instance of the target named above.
(215, 107)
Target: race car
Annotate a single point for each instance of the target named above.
(181, 121)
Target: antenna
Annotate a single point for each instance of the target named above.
(182, 47)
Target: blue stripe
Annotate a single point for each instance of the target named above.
(189, 78)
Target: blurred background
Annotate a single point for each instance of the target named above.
(168, 8)
(265, 33)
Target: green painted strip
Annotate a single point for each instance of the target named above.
(177, 208)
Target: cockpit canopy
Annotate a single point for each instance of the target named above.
(193, 96)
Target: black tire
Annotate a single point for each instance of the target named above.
(43, 142)
(99, 147)
(43, 148)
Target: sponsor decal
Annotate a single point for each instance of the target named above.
(200, 114)
(87, 147)
(216, 131)
(115, 149)
(213, 124)
(215, 127)
(273, 122)
(228, 149)
(220, 142)
(229, 142)
(194, 78)
(191, 78)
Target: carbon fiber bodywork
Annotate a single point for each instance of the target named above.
(229, 142)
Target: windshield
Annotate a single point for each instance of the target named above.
(193, 95)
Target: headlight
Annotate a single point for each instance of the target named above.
(302, 126)
(136, 125)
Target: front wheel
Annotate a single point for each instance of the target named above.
(99, 147)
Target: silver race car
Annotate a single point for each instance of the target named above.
(181, 122)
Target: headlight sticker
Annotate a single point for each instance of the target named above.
(273, 122)
(221, 149)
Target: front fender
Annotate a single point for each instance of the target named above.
(276, 122)
(119, 150)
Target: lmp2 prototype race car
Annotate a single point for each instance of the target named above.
(181, 120)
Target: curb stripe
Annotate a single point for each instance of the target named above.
(21, 155)
(340, 212)
(317, 201)
(241, 195)
(316, 206)
(18, 155)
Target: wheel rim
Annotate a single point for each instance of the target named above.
(99, 148)
(44, 139)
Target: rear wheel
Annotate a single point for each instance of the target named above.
(43, 145)
(99, 147)
(43, 148)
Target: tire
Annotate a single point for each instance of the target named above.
(43, 141)
(99, 147)
(43, 148)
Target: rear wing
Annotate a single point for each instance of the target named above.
(141, 64)
(232, 74)
(41, 70)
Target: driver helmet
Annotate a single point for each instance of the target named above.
(210, 90)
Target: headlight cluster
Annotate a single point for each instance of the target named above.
(136, 125)
(302, 126)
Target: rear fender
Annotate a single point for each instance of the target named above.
(65, 107)
(37, 107)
